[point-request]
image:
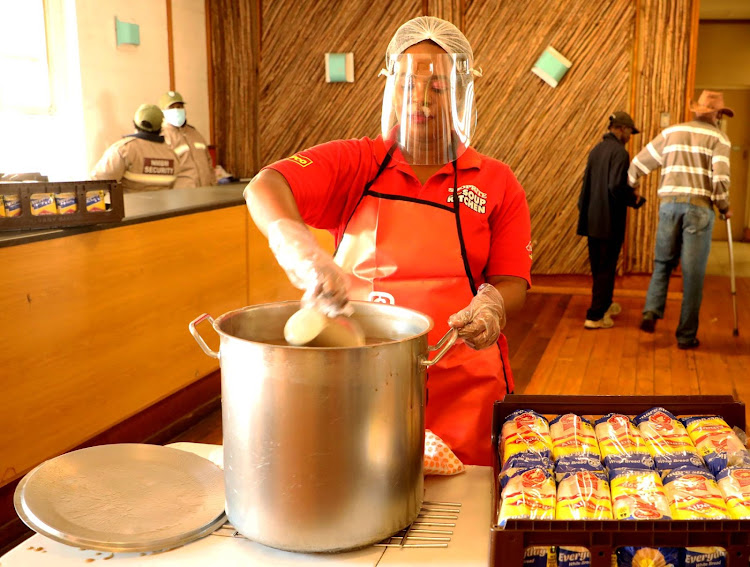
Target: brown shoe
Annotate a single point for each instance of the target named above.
(687, 345)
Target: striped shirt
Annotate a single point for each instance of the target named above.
(694, 160)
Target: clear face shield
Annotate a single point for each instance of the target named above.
(428, 107)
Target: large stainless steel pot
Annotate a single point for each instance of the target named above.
(323, 447)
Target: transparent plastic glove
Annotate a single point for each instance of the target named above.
(479, 325)
(309, 267)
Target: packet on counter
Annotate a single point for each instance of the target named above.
(524, 461)
(572, 435)
(667, 440)
(42, 204)
(694, 495)
(438, 457)
(12, 204)
(621, 444)
(638, 495)
(583, 495)
(705, 557)
(540, 557)
(529, 495)
(573, 557)
(648, 557)
(525, 431)
(716, 442)
(734, 483)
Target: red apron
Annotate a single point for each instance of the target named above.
(408, 252)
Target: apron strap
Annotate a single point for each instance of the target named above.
(467, 267)
(381, 169)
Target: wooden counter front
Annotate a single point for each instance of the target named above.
(94, 325)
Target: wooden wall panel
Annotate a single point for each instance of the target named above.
(233, 56)
(95, 326)
(661, 68)
(545, 133)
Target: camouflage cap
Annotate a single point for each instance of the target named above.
(169, 98)
(148, 117)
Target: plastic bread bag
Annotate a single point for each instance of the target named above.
(540, 557)
(525, 431)
(705, 557)
(572, 435)
(734, 483)
(716, 442)
(638, 495)
(619, 437)
(694, 495)
(575, 463)
(573, 556)
(524, 461)
(648, 557)
(438, 457)
(667, 440)
(529, 495)
(583, 495)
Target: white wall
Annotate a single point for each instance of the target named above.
(190, 60)
(116, 80)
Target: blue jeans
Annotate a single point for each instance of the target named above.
(684, 235)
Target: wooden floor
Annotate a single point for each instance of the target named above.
(552, 353)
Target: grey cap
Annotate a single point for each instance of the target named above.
(622, 118)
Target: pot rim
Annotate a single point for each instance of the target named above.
(355, 303)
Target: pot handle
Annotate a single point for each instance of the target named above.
(197, 335)
(443, 345)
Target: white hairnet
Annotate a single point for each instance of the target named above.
(441, 32)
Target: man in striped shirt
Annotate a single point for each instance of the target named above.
(694, 161)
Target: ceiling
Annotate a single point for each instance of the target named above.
(725, 9)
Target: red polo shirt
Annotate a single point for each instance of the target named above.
(327, 182)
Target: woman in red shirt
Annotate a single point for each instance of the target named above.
(421, 220)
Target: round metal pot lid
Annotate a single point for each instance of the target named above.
(123, 497)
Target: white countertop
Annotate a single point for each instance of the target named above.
(469, 544)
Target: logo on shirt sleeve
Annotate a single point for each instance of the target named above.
(299, 159)
(529, 249)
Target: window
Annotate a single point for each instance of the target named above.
(23, 58)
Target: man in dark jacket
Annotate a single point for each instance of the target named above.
(602, 207)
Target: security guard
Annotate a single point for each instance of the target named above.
(141, 161)
(195, 166)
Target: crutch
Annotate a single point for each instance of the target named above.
(736, 331)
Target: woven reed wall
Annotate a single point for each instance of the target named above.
(663, 85)
(233, 27)
(270, 98)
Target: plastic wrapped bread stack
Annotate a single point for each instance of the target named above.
(734, 483)
(648, 557)
(540, 557)
(716, 442)
(583, 495)
(621, 444)
(525, 431)
(568, 556)
(524, 461)
(705, 557)
(667, 440)
(694, 495)
(572, 435)
(528, 495)
(638, 495)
